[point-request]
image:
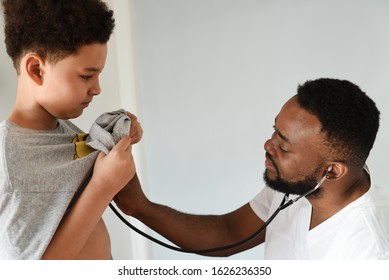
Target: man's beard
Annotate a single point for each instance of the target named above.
(297, 188)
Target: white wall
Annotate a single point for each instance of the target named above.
(207, 77)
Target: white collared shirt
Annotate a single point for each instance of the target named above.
(358, 231)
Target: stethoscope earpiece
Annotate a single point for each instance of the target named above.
(329, 169)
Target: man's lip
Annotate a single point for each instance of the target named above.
(269, 164)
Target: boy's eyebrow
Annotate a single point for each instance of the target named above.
(283, 137)
(92, 69)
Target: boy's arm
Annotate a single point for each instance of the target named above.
(76, 227)
(195, 232)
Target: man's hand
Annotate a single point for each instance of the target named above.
(131, 198)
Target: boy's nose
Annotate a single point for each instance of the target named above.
(95, 89)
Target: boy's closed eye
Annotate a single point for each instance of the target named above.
(86, 77)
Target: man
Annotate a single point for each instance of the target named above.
(323, 133)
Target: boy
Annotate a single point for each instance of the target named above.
(59, 49)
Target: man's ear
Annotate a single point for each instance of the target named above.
(338, 170)
(34, 66)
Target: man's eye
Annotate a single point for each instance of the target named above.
(283, 149)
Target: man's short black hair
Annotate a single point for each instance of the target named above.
(54, 29)
(349, 118)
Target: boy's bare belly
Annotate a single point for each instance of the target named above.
(98, 246)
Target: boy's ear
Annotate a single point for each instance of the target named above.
(34, 68)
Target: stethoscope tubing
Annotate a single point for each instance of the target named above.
(284, 204)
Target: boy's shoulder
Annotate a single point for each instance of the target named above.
(4, 128)
(15, 135)
(24, 147)
(4, 125)
(64, 126)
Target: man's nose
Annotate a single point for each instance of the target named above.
(270, 147)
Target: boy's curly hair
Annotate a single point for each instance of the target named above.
(349, 118)
(54, 29)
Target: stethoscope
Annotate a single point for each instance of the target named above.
(286, 202)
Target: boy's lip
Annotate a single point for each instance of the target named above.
(86, 103)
